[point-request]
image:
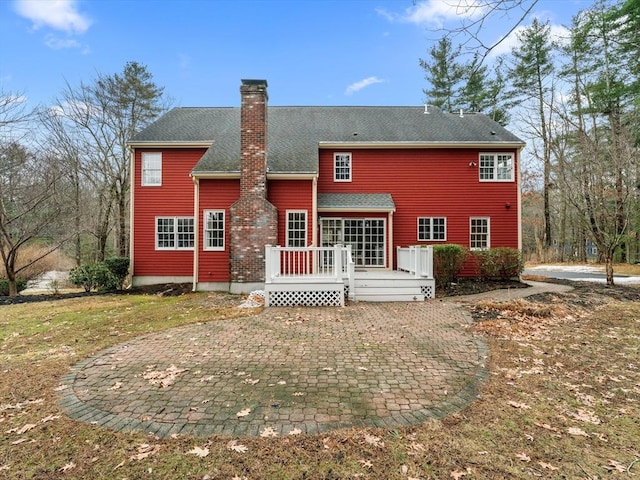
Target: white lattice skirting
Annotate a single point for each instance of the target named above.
(320, 298)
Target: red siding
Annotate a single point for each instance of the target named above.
(291, 195)
(173, 198)
(430, 183)
(216, 195)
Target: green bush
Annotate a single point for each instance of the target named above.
(4, 286)
(499, 263)
(93, 276)
(448, 260)
(119, 267)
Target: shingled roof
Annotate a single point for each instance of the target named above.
(296, 133)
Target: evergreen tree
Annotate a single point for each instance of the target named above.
(444, 73)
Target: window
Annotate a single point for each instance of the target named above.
(151, 169)
(174, 233)
(496, 167)
(296, 228)
(432, 228)
(342, 167)
(214, 230)
(479, 234)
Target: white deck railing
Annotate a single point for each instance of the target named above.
(417, 260)
(308, 264)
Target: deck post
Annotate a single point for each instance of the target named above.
(337, 262)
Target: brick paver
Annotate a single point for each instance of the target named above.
(288, 370)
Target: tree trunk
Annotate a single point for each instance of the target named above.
(609, 268)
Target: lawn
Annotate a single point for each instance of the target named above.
(562, 400)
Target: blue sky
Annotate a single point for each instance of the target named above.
(311, 52)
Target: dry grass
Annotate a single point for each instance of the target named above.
(56, 260)
(562, 401)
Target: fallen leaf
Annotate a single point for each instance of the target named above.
(49, 418)
(26, 428)
(243, 413)
(457, 474)
(250, 381)
(115, 386)
(237, 447)
(524, 457)
(366, 463)
(268, 432)
(199, 452)
(547, 466)
(145, 450)
(298, 394)
(295, 431)
(18, 442)
(373, 440)
(67, 467)
(577, 432)
(617, 466)
(523, 406)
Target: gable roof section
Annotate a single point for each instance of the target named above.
(296, 133)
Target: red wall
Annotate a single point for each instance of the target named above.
(430, 183)
(216, 195)
(291, 195)
(173, 198)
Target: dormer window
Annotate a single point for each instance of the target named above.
(342, 167)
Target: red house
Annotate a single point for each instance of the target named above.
(212, 187)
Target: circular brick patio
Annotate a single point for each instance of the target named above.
(300, 370)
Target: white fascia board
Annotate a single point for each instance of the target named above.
(291, 176)
(361, 145)
(216, 175)
(202, 144)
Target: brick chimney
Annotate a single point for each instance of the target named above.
(254, 220)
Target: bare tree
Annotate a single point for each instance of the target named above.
(31, 204)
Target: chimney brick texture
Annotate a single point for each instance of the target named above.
(254, 220)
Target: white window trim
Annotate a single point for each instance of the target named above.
(431, 219)
(146, 156)
(205, 243)
(335, 169)
(488, 219)
(175, 232)
(306, 226)
(495, 167)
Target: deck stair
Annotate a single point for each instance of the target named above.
(388, 286)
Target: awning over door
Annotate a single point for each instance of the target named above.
(356, 202)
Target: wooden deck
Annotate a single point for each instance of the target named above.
(324, 276)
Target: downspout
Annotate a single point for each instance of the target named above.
(196, 227)
(315, 240)
(132, 186)
(519, 197)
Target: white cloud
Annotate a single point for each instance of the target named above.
(559, 34)
(56, 43)
(57, 14)
(359, 85)
(435, 12)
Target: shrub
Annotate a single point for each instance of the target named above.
(119, 267)
(448, 260)
(93, 276)
(4, 286)
(500, 263)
